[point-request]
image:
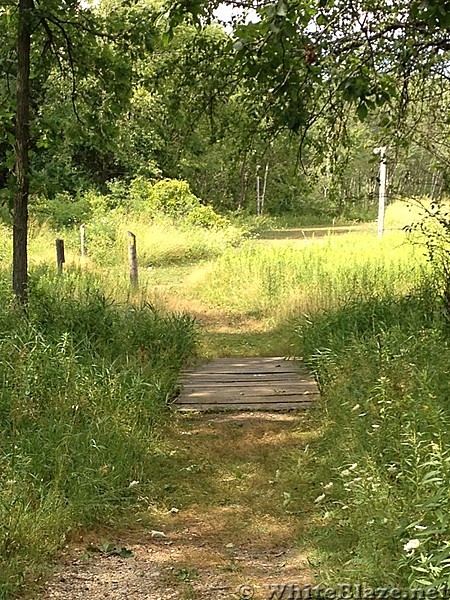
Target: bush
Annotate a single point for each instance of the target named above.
(168, 198)
(63, 210)
(204, 216)
(102, 240)
(172, 198)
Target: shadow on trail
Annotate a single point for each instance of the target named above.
(216, 512)
(229, 475)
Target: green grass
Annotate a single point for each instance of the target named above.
(86, 384)
(284, 280)
(88, 373)
(381, 464)
(364, 314)
(159, 242)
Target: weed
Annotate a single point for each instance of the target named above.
(186, 574)
(261, 280)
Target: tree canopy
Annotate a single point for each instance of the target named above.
(91, 94)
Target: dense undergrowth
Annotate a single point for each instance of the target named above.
(170, 223)
(85, 384)
(382, 464)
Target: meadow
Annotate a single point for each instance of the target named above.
(89, 371)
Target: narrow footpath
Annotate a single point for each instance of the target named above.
(222, 528)
(227, 512)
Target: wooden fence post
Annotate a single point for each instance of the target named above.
(132, 259)
(83, 239)
(60, 257)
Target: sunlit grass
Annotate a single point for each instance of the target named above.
(305, 278)
(86, 382)
(409, 211)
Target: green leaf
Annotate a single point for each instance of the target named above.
(274, 27)
(10, 160)
(362, 111)
(125, 553)
(110, 550)
(282, 8)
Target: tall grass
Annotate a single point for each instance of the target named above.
(372, 326)
(310, 276)
(85, 384)
(87, 379)
(159, 242)
(382, 465)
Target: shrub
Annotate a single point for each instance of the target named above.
(172, 198)
(169, 198)
(434, 225)
(63, 210)
(204, 216)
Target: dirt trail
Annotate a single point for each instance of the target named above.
(218, 521)
(220, 528)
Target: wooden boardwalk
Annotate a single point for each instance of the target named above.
(247, 384)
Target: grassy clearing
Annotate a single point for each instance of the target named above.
(307, 277)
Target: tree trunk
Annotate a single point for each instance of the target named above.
(263, 195)
(243, 181)
(20, 221)
(258, 196)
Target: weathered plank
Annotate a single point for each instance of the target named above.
(275, 406)
(250, 401)
(269, 383)
(251, 378)
(260, 392)
(248, 366)
(267, 401)
(258, 360)
(234, 383)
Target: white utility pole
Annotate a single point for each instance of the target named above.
(381, 188)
